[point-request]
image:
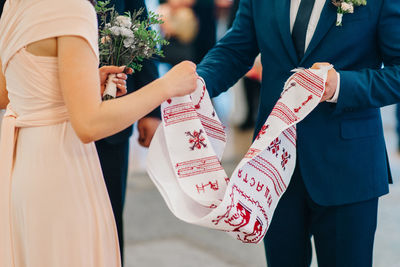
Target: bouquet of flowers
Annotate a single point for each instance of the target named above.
(126, 40)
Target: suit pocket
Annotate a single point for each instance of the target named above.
(360, 13)
(361, 128)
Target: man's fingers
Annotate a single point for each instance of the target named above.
(147, 142)
(142, 133)
(319, 64)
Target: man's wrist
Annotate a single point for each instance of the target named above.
(335, 97)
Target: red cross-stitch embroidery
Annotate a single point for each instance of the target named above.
(303, 104)
(198, 166)
(241, 218)
(197, 106)
(196, 139)
(291, 85)
(285, 159)
(262, 131)
(202, 187)
(274, 146)
(256, 235)
(228, 211)
(179, 113)
(252, 152)
(284, 113)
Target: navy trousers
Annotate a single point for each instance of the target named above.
(114, 164)
(343, 235)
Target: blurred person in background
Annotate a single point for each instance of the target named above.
(191, 27)
(207, 31)
(113, 151)
(180, 27)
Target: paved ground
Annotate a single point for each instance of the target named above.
(154, 237)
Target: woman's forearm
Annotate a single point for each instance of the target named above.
(116, 115)
(93, 119)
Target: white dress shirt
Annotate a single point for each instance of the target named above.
(312, 25)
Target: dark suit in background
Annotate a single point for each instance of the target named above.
(114, 151)
(206, 38)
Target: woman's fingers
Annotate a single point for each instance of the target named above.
(120, 81)
(121, 86)
(121, 90)
(122, 76)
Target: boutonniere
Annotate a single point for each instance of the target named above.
(346, 7)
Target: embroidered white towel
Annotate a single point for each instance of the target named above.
(184, 159)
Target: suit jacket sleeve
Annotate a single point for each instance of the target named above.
(149, 70)
(233, 56)
(371, 88)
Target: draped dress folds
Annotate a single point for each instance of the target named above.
(54, 206)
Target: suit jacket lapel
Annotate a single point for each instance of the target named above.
(326, 21)
(283, 20)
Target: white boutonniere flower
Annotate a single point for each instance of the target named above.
(346, 7)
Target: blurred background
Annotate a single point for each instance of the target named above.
(153, 236)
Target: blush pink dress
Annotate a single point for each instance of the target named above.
(54, 206)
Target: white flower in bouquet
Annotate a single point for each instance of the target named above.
(128, 33)
(115, 30)
(128, 42)
(124, 21)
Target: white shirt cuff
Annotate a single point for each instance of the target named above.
(335, 97)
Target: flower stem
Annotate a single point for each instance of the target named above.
(119, 50)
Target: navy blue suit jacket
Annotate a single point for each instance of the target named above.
(340, 147)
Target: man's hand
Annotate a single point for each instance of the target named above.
(331, 81)
(147, 128)
(120, 80)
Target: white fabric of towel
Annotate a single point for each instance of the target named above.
(185, 154)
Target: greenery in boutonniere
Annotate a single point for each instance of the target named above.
(345, 7)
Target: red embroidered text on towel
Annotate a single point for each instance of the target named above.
(184, 159)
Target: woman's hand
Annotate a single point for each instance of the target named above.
(120, 80)
(181, 80)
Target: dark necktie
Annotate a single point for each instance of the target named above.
(300, 26)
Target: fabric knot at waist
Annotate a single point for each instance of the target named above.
(36, 119)
(9, 131)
